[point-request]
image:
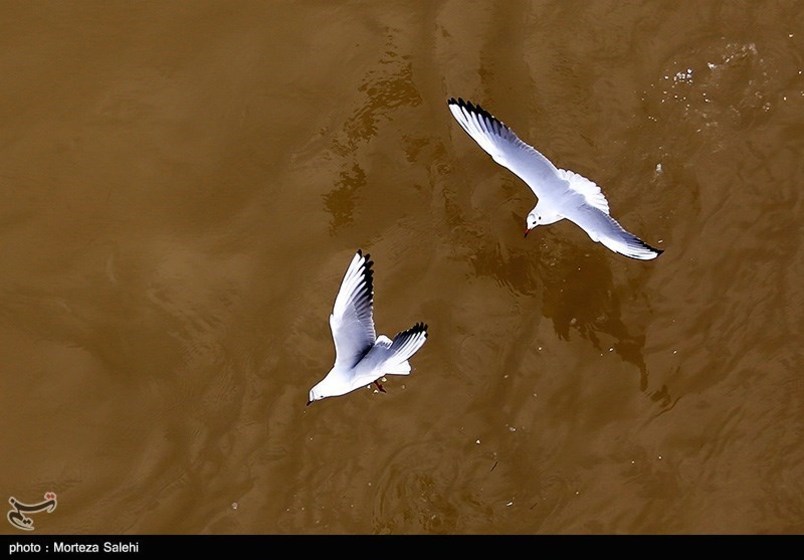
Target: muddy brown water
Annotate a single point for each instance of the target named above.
(183, 185)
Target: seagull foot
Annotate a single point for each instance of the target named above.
(379, 386)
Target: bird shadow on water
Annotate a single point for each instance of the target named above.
(578, 294)
(386, 86)
(340, 201)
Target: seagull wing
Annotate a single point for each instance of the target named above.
(391, 357)
(605, 229)
(508, 150)
(352, 320)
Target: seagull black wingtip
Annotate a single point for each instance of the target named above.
(480, 112)
(654, 249)
(461, 102)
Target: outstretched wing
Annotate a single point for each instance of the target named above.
(352, 320)
(391, 357)
(508, 150)
(404, 345)
(605, 229)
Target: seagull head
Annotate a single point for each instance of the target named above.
(318, 392)
(531, 222)
(330, 386)
(541, 216)
(313, 396)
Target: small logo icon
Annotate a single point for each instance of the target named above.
(17, 515)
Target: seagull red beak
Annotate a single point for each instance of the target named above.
(527, 231)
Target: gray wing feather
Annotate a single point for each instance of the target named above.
(352, 319)
(605, 229)
(508, 150)
(407, 343)
(385, 355)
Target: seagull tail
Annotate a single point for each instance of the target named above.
(398, 369)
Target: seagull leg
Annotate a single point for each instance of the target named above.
(379, 386)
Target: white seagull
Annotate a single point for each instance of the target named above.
(561, 193)
(361, 357)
